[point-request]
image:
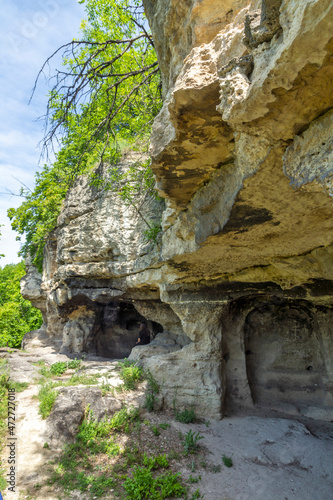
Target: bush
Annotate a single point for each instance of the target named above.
(143, 485)
(186, 416)
(60, 367)
(17, 315)
(131, 375)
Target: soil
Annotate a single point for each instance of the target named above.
(273, 458)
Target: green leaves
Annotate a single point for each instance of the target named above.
(17, 316)
(105, 96)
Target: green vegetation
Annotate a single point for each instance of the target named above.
(5, 385)
(135, 474)
(151, 393)
(47, 395)
(186, 416)
(193, 480)
(164, 426)
(190, 442)
(62, 366)
(18, 386)
(130, 374)
(143, 485)
(117, 453)
(155, 430)
(227, 461)
(103, 102)
(17, 316)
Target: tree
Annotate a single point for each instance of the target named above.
(17, 315)
(104, 98)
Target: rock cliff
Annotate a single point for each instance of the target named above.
(238, 290)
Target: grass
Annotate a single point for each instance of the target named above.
(190, 442)
(116, 454)
(18, 386)
(61, 367)
(130, 374)
(57, 369)
(186, 416)
(155, 430)
(135, 474)
(193, 480)
(227, 461)
(153, 389)
(47, 395)
(144, 485)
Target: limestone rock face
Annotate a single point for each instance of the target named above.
(70, 408)
(237, 291)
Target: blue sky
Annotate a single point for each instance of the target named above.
(30, 31)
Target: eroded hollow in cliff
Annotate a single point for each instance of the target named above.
(118, 332)
(277, 356)
(284, 355)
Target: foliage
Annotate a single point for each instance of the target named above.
(47, 396)
(227, 461)
(190, 442)
(144, 486)
(61, 367)
(18, 386)
(152, 232)
(131, 375)
(164, 426)
(157, 462)
(58, 368)
(193, 479)
(155, 430)
(151, 393)
(123, 418)
(17, 315)
(106, 95)
(186, 416)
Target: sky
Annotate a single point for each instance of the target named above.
(30, 31)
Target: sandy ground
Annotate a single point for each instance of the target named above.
(273, 458)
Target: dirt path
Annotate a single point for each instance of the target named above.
(273, 458)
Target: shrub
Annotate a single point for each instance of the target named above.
(144, 486)
(186, 416)
(190, 442)
(131, 375)
(60, 367)
(17, 316)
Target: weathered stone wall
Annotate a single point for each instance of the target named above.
(241, 280)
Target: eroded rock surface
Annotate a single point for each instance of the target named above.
(238, 289)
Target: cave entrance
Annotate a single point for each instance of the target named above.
(118, 334)
(284, 356)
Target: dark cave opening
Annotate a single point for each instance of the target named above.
(119, 329)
